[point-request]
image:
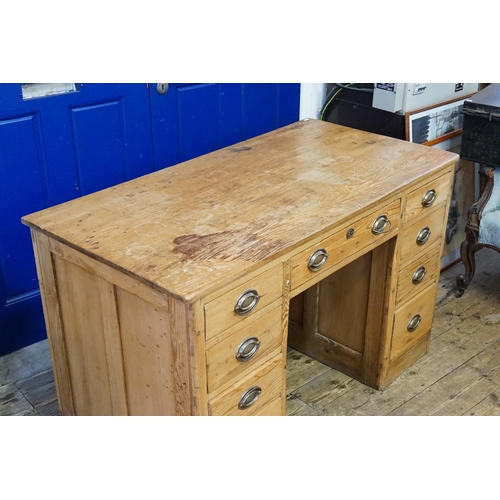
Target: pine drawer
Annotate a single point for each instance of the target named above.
(352, 239)
(422, 234)
(418, 274)
(242, 302)
(258, 389)
(412, 321)
(243, 349)
(273, 409)
(427, 196)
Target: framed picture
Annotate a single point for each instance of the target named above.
(437, 123)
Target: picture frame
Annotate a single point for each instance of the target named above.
(437, 123)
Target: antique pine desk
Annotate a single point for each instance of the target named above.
(177, 293)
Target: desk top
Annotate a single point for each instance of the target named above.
(190, 228)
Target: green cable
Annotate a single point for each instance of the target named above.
(325, 107)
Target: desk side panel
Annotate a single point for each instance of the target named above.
(155, 356)
(117, 348)
(82, 314)
(53, 323)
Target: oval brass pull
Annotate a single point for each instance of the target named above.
(246, 302)
(317, 259)
(380, 224)
(414, 323)
(429, 198)
(247, 349)
(250, 397)
(419, 275)
(423, 236)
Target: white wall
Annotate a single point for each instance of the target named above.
(312, 98)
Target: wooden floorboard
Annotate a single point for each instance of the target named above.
(460, 375)
(13, 402)
(35, 396)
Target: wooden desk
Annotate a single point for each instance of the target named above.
(171, 294)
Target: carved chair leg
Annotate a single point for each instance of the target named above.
(468, 249)
(470, 245)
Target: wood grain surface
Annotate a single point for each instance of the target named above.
(192, 227)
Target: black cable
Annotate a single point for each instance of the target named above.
(358, 89)
(337, 87)
(329, 98)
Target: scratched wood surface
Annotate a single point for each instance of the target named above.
(187, 229)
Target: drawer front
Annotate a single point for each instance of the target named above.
(421, 235)
(243, 349)
(418, 274)
(342, 244)
(239, 304)
(426, 197)
(273, 409)
(252, 393)
(412, 321)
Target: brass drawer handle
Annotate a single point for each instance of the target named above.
(423, 236)
(429, 198)
(419, 275)
(317, 259)
(250, 397)
(414, 323)
(380, 224)
(246, 302)
(247, 349)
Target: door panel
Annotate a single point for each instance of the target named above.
(53, 149)
(16, 254)
(198, 118)
(260, 110)
(230, 106)
(100, 157)
(288, 103)
(193, 119)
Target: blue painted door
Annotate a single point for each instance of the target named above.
(56, 148)
(53, 149)
(193, 119)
